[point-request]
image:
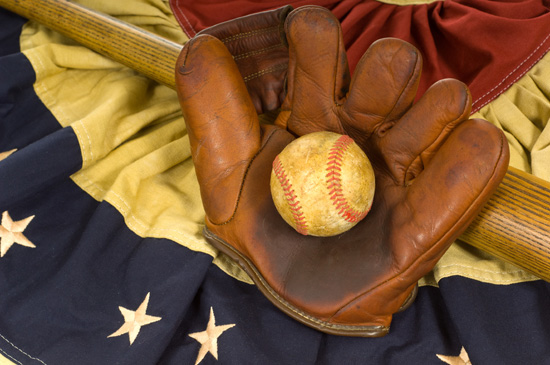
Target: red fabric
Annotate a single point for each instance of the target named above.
(196, 15)
(487, 44)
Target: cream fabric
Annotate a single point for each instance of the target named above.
(523, 112)
(136, 153)
(5, 361)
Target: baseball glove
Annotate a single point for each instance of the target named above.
(434, 171)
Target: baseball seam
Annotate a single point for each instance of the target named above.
(334, 182)
(291, 198)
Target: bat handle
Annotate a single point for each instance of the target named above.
(145, 52)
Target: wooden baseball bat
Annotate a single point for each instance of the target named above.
(514, 225)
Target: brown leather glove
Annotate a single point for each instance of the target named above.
(258, 45)
(434, 171)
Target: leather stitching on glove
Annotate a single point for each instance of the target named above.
(248, 34)
(265, 71)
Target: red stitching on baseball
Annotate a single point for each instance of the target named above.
(291, 198)
(334, 183)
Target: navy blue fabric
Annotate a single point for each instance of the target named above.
(9, 36)
(64, 296)
(23, 117)
(37, 166)
(509, 324)
(46, 150)
(59, 301)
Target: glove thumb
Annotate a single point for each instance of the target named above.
(221, 120)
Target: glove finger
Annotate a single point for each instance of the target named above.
(318, 73)
(383, 87)
(258, 45)
(413, 141)
(448, 194)
(222, 123)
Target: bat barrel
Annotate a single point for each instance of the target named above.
(514, 225)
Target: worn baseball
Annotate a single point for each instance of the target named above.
(322, 184)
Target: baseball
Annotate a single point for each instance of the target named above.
(322, 184)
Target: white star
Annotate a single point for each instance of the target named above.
(134, 320)
(4, 155)
(12, 232)
(209, 337)
(462, 359)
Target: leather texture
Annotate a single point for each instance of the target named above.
(434, 170)
(258, 45)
